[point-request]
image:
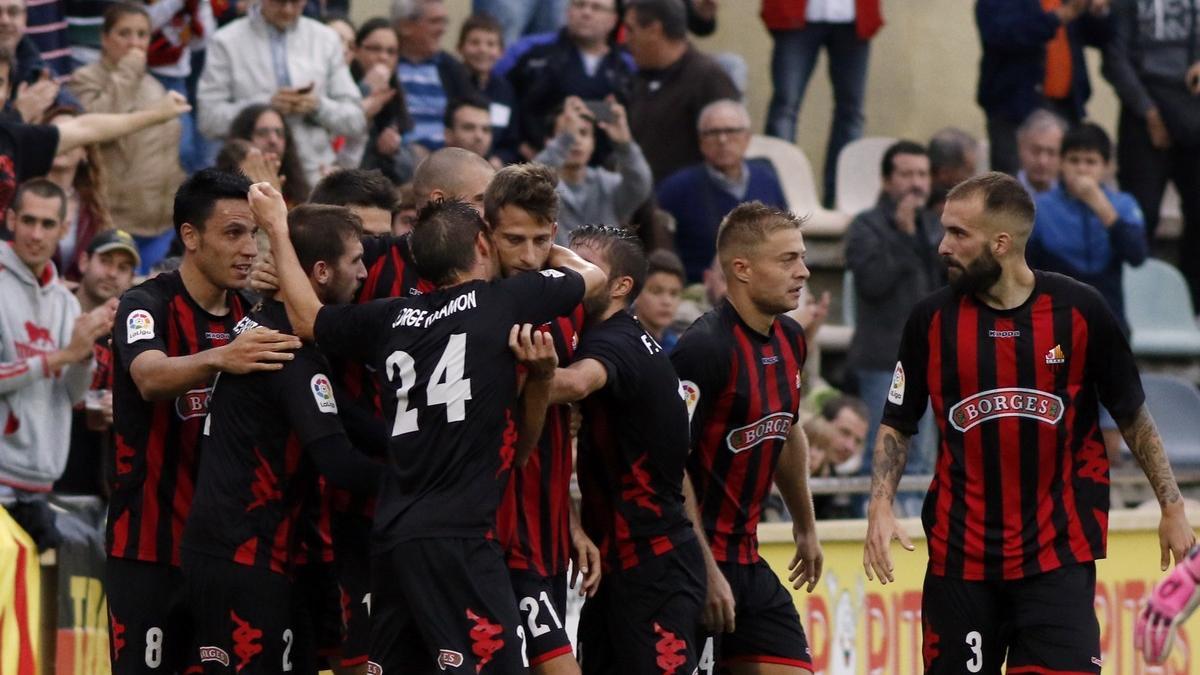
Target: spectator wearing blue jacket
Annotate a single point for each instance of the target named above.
(1033, 58)
(1085, 229)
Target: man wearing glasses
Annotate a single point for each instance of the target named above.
(699, 196)
(275, 55)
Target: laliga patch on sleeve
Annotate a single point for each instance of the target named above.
(690, 394)
(139, 325)
(322, 393)
(553, 274)
(896, 393)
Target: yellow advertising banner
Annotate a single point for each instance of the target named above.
(860, 627)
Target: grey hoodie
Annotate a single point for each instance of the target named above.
(36, 319)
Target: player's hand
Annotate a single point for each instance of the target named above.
(534, 349)
(268, 207)
(719, 607)
(1175, 535)
(264, 278)
(882, 528)
(257, 349)
(807, 563)
(585, 558)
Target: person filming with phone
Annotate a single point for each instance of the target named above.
(590, 194)
(274, 55)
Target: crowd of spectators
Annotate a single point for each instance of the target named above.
(107, 110)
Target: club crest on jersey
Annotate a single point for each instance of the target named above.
(139, 325)
(1006, 402)
(322, 392)
(244, 325)
(896, 393)
(690, 393)
(214, 654)
(776, 426)
(193, 404)
(1055, 357)
(448, 658)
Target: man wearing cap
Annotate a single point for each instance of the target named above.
(106, 270)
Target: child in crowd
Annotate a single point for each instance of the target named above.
(480, 44)
(659, 300)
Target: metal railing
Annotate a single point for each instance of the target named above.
(1124, 477)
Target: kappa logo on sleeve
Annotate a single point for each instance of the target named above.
(322, 392)
(896, 393)
(552, 274)
(139, 325)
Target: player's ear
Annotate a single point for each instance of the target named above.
(621, 287)
(320, 272)
(741, 269)
(189, 236)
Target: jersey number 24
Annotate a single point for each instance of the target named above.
(446, 385)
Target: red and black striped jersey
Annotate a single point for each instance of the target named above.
(1021, 483)
(257, 495)
(391, 272)
(632, 447)
(152, 472)
(742, 390)
(532, 523)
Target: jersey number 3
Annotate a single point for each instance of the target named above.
(446, 384)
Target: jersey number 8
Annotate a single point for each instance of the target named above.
(446, 384)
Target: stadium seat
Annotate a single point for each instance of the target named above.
(858, 179)
(1160, 312)
(796, 174)
(1175, 405)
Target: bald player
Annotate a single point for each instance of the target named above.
(452, 173)
(1015, 363)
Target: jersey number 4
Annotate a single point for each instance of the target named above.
(446, 385)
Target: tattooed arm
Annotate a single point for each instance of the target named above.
(891, 454)
(1175, 535)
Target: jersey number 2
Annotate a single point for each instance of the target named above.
(446, 384)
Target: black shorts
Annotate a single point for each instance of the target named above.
(543, 604)
(352, 551)
(1041, 624)
(150, 628)
(245, 621)
(318, 615)
(646, 619)
(438, 604)
(767, 625)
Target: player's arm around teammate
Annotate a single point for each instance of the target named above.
(302, 302)
(535, 350)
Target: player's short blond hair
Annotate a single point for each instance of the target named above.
(749, 225)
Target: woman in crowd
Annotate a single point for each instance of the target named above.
(376, 53)
(79, 173)
(265, 129)
(142, 169)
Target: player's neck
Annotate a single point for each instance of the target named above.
(208, 295)
(750, 313)
(1011, 290)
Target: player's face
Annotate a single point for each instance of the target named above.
(347, 273)
(522, 242)
(374, 219)
(36, 228)
(106, 275)
(965, 249)
(598, 304)
(226, 248)
(777, 272)
(659, 300)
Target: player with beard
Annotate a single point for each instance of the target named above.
(1015, 364)
(440, 592)
(632, 449)
(739, 367)
(266, 437)
(173, 334)
(537, 525)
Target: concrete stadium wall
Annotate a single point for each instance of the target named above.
(924, 68)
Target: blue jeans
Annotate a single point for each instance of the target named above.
(873, 386)
(522, 17)
(792, 61)
(195, 151)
